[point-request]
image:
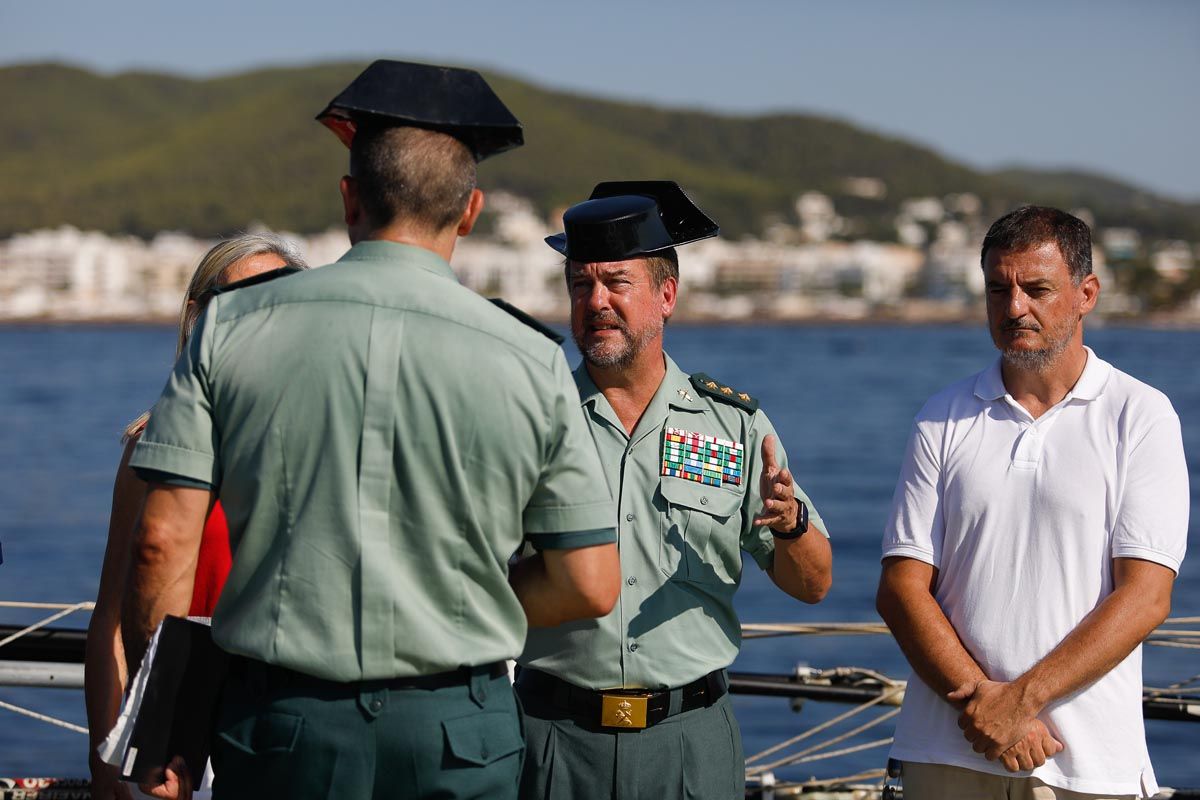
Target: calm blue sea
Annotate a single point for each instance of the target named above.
(842, 399)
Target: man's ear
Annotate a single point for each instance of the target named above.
(1090, 288)
(351, 208)
(669, 293)
(471, 213)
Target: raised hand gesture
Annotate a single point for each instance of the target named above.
(777, 491)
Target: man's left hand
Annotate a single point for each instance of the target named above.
(995, 715)
(176, 785)
(775, 486)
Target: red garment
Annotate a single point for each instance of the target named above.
(213, 566)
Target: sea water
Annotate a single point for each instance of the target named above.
(841, 397)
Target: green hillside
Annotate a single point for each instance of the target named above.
(138, 153)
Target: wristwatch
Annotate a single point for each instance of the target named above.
(801, 524)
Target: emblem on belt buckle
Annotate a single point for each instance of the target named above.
(623, 710)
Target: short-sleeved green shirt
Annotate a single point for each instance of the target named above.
(382, 440)
(680, 543)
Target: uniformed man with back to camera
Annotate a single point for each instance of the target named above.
(635, 704)
(382, 440)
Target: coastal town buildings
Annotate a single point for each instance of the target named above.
(807, 269)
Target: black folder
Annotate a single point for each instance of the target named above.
(176, 715)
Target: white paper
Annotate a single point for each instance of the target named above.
(114, 749)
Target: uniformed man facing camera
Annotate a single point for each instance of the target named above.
(382, 440)
(635, 704)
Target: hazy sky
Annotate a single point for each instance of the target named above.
(1112, 87)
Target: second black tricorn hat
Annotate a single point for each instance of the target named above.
(627, 219)
(455, 101)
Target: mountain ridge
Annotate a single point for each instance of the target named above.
(142, 151)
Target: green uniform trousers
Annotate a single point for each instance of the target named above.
(364, 741)
(695, 755)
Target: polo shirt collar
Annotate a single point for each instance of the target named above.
(1095, 377)
(1096, 371)
(392, 252)
(990, 383)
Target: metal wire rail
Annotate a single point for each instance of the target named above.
(843, 684)
(61, 610)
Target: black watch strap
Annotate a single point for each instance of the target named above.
(801, 524)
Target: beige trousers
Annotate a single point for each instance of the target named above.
(941, 782)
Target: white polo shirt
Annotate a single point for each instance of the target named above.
(1022, 519)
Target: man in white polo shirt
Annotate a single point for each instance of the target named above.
(1037, 527)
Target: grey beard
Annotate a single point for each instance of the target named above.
(615, 358)
(1035, 360)
(621, 357)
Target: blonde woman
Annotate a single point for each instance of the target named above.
(232, 261)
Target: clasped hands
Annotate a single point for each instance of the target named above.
(1000, 722)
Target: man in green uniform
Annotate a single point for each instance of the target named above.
(634, 705)
(382, 440)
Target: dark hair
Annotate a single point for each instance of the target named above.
(1031, 226)
(422, 177)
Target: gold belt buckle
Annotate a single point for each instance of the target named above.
(623, 710)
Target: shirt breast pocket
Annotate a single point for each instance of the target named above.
(699, 532)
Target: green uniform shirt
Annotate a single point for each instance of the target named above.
(382, 439)
(679, 542)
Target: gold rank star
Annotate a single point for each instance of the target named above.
(745, 397)
(711, 384)
(726, 390)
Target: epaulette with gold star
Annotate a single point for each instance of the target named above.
(721, 391)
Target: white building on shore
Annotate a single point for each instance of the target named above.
(67, 274)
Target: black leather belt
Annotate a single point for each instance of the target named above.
(276, 676)
(623, 709)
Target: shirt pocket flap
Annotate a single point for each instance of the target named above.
(482, 738)
(708, 499)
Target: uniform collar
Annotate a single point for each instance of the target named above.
(675, 391)
(410, 255)
(678, 388)
(990, 383)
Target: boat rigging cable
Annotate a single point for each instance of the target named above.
(56, 656)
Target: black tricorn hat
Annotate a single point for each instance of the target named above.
(455, 101)
(626, 219)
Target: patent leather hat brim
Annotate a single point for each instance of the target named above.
(454, 101)
(627, 219)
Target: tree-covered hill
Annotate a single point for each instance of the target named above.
(139, 152)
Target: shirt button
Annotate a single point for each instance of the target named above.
(703, 501)
(633, 647)
(376, 705)
(631, 580)
(629, 517)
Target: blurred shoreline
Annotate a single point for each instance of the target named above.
(1163, 321)
(790, 276)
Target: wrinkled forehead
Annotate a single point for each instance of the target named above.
(604, 270)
